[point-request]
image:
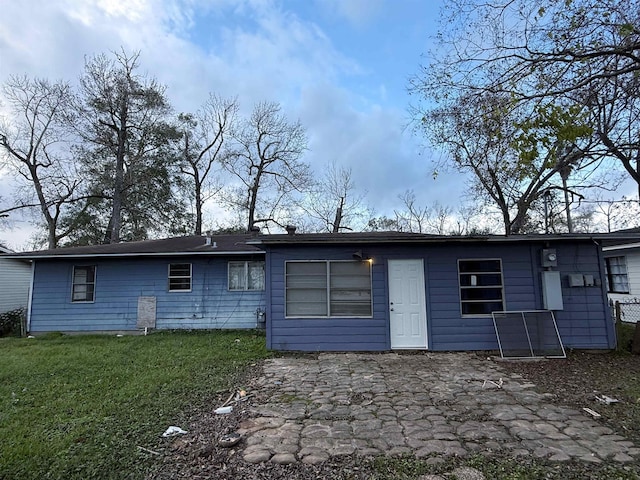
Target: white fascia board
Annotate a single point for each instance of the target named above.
(624, 246)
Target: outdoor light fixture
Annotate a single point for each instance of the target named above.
(357, 255)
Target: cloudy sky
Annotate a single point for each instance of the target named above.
(340, 66)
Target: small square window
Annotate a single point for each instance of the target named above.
(84, 282)
(179, 277)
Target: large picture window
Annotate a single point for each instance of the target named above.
(328, 289)
(179, 277)
(617, 279)
(84, 283)
(246, 275)
(481, 286)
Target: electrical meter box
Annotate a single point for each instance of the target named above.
(552, 291)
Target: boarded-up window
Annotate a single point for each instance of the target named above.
(328, 289)
(179, 277)
(84, 282)
(617, 279)
(481, 286)
(246, 275)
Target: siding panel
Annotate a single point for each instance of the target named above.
(15, 277)
(583, 323)
(119, 283)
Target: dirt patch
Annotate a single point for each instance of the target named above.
(578, 380)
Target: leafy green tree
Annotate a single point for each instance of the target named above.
(128, 153)
(514, 154)
(546, 52)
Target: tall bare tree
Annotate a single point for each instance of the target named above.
(35, 143)
(205, 136)
(267, 163)
(332, 203)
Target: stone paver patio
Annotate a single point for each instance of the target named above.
(428, 405)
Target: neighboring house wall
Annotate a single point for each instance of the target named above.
(119, 284)
(15, 278)
(585, 321)
(632, 260)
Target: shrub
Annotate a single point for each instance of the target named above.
(11, 322)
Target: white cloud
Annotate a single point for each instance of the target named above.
(356, 12)
(253, 49)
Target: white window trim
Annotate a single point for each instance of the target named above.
(73, 284)
(460, 287)
(328, 287)
(246, 276)
(169, 277)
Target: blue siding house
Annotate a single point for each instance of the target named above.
(380, 291)
(178, 283)
(374, 291)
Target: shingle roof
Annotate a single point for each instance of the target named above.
(403, 237)
(194, 244)
(250, 244)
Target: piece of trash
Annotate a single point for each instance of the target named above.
(241, 396)
(147, 450)
(173, 430)
(119, 335)
(606, 399)
(223, 410)
(229, 440)
(593, 413)
(497, 384)
(237, 340)
(31, 336)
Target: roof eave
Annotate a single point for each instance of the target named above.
(132, 254)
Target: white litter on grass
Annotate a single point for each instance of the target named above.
(223, 410)
(173, 430)
(606, 399)
(593, 413)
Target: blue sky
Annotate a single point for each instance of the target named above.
(340, 66)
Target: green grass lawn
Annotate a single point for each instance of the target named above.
(79, 406)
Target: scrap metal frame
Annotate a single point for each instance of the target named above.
(526, 329)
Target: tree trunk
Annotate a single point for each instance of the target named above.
(566, 204)
(338, 219)
(198, 229)
(118, 188)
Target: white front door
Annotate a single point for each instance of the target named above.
(407, 306)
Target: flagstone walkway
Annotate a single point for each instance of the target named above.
(429, 405)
